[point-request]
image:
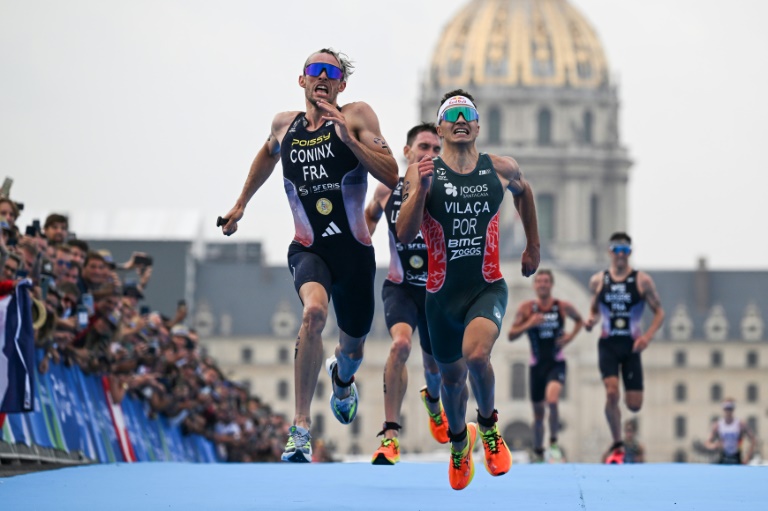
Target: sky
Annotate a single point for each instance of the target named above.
(162, 104)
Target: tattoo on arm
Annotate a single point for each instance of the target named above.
(405, 197)
(382, 143)
(652, 298)
(573, 313)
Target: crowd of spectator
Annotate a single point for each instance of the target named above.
(89, 313)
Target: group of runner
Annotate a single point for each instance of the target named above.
(444, 276)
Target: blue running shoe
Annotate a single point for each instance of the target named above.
(298, 449)
(343, 409)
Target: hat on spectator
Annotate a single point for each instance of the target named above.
(106, 255)
(180, 331)
(133, 291)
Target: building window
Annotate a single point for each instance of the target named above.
(282, 355)
(716, 358)
(544, 127)
(680, 359)
(246, 355)
(680, 427)
(588, 122)
(681, 392)
(752, 393)
(680, 456)
(545, 209)
(282, 389)
(594, 218)
(318, 425)
(716, 393)
(752, 359)
(320, 390)
(494, 126)
(518, 381)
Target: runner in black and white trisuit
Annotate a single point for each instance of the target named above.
(727, 435)
(403, 294)
(327, 153)
(543, 319)
(619, 295)
(455, 201)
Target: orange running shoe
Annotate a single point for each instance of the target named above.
(388, 452)
(498, 459)
(461, 469)
(438, 423)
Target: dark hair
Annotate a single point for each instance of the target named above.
(93, 255)
(419, 128)
(457, 92)
(82, 245)
(55, 218)
(621, 236)
(546, 272)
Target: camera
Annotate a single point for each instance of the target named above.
(142, 260)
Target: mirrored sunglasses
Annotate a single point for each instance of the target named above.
(621, 249)
(452, 114)
(331, 71)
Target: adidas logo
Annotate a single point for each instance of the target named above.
(331, 230)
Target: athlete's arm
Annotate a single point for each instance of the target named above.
(713, 441)
(375, 208)
(358, 128)
(595, 285)
(512, 178)
(572, 313)
(261, 168)
(747, 432)
(648, 292)
(521, 323)
(416, 183)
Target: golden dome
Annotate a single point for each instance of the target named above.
(536, 43)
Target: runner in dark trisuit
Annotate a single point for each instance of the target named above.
(403, 295)
(727, 435)
(619, 295)
(544, 321)
(327, 153)
(457, 197)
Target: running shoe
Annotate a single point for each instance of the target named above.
(498, 459)
(388, 452)
(461, 469)
(299, 448)
(616, 457)
(555, 455)
(438, 423)
(343, 409)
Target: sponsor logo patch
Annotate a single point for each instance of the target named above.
(331, 230)
(324, 206)
(416, 262)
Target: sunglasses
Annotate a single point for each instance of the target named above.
(62, 262)
(331, 71)
(621, 249)
(452, 114)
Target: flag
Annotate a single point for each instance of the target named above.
(17, 350)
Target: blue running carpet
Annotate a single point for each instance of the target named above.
(406, 486)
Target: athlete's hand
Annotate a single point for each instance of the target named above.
(234, 216)
(531, 258)
(426, 170)
(339, 121)
(563, 340)
(535, 320)
(590, 322)
(641, 343)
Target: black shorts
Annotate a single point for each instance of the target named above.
(615, 352)
(347, 278)
(542, 373)
(404, 303)
(730, 459)
(447, 320)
